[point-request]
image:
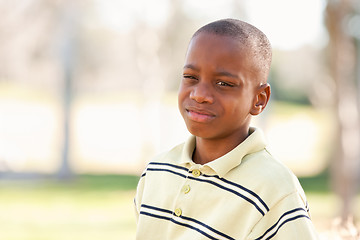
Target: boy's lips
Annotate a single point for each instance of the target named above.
(199, 114)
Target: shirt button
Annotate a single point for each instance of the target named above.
(178, 212)
(196, 173)
(186, 189)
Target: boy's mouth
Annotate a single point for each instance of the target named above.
(199, 115)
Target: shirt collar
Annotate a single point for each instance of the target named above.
(222, 165)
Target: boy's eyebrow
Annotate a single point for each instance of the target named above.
(191, 67)
(227, 74)
(220, 72)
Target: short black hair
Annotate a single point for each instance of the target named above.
(251, 37)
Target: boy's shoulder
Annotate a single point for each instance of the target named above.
(270, 176)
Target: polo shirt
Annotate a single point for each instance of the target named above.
(245, 194)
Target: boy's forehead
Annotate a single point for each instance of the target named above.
(211, 43)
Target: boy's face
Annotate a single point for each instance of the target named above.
(218, 89)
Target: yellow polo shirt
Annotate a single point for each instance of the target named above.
(245, 194)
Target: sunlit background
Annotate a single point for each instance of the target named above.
(88, 95)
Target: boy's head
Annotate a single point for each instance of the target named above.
(249, 37)
(224, 79)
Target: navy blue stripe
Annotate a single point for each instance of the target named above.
(307, 207)
(166, 170)
(192, 227)
(179, 223)
(170, 165)
(154, 215)
(143, 175)
(245, 189)
(188, 219)
(156, 208)
(207, 226)
(230, 190)
(273, 226)
(288, 220)
(222, 179)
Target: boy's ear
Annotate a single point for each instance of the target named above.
(261, 99)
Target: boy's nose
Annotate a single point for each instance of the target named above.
(201, 93)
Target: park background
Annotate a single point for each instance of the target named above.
(88, 95)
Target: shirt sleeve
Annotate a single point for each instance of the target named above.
(289, 218)
(138, 196)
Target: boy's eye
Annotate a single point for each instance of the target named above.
(189, 77)
(224, 84)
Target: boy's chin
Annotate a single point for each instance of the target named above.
(202, 133)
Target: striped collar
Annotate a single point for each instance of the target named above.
(222, 165)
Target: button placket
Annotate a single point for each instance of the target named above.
(185, 189)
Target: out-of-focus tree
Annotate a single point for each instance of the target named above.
(27, 32)
(37, 49)
(27, 45)
(67, 40)
(342, 63)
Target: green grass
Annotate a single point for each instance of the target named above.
(316, 184)
(101, 207)
(88, 207)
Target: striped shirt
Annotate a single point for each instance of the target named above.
(245, 194)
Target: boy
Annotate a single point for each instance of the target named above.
(222, 183)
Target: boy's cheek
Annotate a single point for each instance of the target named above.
(182, 95)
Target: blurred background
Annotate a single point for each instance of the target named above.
(88, 95)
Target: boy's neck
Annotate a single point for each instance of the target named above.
(208, 150)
